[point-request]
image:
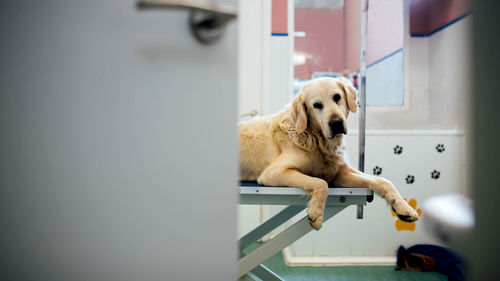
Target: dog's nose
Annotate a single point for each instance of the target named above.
(336, 122)
(337, 126)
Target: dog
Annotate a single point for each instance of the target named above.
(302, 146)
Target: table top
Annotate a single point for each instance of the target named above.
(253, 193)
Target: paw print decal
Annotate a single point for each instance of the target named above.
(409, 226)
(398, 149)
(435, 174)
(377, 170)
(440, 148)
(410, 179)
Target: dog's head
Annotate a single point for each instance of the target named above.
(324, 105)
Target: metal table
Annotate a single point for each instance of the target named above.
(252, 194)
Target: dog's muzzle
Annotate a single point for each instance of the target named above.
(337, 127)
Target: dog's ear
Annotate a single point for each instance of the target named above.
(351, 93)
(299, 113)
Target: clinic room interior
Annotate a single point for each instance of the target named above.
(249, 140)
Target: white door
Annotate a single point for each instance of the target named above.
(118, 148)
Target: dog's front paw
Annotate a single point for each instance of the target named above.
(404, 211)
(315, 217)
(409, 226)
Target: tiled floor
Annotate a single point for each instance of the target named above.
(346, 273)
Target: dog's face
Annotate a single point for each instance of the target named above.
(324, 104)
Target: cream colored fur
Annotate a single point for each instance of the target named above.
(298, 148)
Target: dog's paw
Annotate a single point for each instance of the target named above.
(317, 223)
(315, 218)
(404, 211)
(403, 223)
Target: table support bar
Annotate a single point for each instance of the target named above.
(281, 241)
(269, 225)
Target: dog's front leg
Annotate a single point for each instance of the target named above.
(318, 189)
(350, 177)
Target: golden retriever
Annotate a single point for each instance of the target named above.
(302, 146)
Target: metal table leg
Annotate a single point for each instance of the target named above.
(282, 240)
(269, 225)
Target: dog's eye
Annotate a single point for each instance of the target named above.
(336, 98)
(318, 105)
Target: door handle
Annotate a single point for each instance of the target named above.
(207, 20)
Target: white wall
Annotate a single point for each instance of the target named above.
(449, 77)
(385, 81)
(250, 86)
(265, 61)
(439, 84)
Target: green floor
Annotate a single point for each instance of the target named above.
(346, 273)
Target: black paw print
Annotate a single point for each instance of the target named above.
(377, 170)
(435, 174)
(410, 179)
(398, 149)
(440, 148)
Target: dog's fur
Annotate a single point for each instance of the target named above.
(302, 146)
